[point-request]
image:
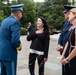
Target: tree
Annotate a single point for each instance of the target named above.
(73, 2)
(29, 12)
(1, 16)
(3, 10)
(52, 10)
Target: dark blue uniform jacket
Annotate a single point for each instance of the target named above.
(63, 36)
(9, 38)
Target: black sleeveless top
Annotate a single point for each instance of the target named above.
(71, 41)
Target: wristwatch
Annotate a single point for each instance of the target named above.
(67, 60)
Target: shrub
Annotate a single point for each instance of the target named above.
(23, 31)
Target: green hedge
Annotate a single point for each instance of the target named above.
(23, 31)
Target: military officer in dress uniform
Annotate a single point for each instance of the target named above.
(10, 40)
(63, 36)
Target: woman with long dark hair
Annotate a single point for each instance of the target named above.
(39, 46)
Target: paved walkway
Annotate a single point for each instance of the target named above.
(52, 66)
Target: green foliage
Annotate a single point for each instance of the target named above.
(73, 2)
(29, 12)
(6, 10)
(23, 31)
(2, 16)
(52, 10)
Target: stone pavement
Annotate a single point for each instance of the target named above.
(52, 66)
